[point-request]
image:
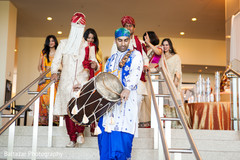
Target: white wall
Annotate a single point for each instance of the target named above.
(201, 51)
(232, 7)
(8, 19)
(29, 50)
(191, 51)
(4, 9)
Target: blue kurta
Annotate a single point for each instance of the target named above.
(115, 141)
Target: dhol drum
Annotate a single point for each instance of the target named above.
(97, 97)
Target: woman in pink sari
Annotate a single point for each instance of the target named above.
(153, 51)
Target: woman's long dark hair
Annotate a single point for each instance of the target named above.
(46, 48)
(154, 40)
(92, 31)
(171, 49)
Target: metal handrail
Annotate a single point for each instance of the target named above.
(24, 90)
(233, 71)
(160, 127)
(184, 124)
(25, 107)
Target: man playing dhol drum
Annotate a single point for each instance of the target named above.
(79, 62)
(118, 126)
(128, 22)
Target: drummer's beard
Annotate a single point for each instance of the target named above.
(74, 39)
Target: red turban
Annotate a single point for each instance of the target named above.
(78, 17)
(127, 19)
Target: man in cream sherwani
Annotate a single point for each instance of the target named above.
(78, 66)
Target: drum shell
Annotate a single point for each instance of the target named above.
(93, 101)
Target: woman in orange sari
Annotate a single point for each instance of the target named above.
(45, 62)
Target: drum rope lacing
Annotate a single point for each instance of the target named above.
(97, 109)
(100, 99)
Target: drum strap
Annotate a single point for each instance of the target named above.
(124, 59)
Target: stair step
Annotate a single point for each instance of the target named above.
(212, 144)
(61, 131)
(201, 134)
(72, 153)
(93, 154)
(209, 145)
(61, 141)
(209, 155)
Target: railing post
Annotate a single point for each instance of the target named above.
(35, 130)
(234, 93)
(0, 119)
(168, 133)
(50, 116)
(153, 116)
(60, 121)
(238, 84)
(11, 141)
(158, 144)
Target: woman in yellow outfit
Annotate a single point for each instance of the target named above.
(45, 62)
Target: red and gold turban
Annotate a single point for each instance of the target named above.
(78, 17)
(127, 19)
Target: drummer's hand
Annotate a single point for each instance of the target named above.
(93, 65)
(54, 77)
(125, 94)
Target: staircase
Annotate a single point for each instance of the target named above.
(142, 147)
(212, 145)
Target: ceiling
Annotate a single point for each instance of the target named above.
(166, 17)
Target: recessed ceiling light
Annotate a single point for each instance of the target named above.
(15, 50)
(200, 70)
(194, 19)
(206, 67)
(49, 18)
(228, 36)
(182, 33)
(59, 32)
